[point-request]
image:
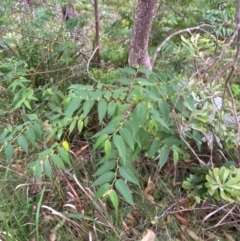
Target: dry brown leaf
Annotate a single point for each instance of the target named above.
(82, 149)
(149, 189)
(149, 236)
(193, 235)
(181, 219)
(52, 237)
(18, 168)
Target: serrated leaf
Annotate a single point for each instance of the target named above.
(22, 142)
(119, 144)
(124, 190)
(127, 137)
(102, 190)
(164, 154)
(80, 126)
(9, 152)
(47, 168)
(164, 109)
(127, 174)
(102, 109)
(107, 148)
(57, 161)
(106, 177)
(100, 140)
(107, 166)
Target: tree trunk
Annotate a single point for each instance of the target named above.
(138, 52)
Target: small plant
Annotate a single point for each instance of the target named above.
(220, 184)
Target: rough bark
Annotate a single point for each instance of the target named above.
(138, 52)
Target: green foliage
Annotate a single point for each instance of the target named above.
(218, 183)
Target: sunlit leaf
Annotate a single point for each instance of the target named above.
(100, 140)
(107, 148)
(80, 126)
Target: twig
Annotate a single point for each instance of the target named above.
(154, 57)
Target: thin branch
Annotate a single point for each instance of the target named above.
(187, 30)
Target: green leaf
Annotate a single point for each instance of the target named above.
(106, 177)
(22, 142)
(32, 117)
(124, 190)
(158, 119)
(107, 166)
(100, 140)
(80, 126)
(31, 136)
(164, 154)
(111, 108)
(9, 152)
(88, 104)
(127, 137)
(73, 106)
(164, 109)
(102, 190)
(57, 160)
(119, 144)
(38, 171)
(155, 146)
(175, 157)
(127, 174)
(107, 148)
(47, 168)
(114, 199)
(129, 71)
(102, 109)
(65, 156)
(72, 126)
(38, 130)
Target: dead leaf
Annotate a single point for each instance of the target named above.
(18, 168)
(149, 189)
(52, 237)
(193, 235)
(181, 219)
(149, 236)
(81, 149)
